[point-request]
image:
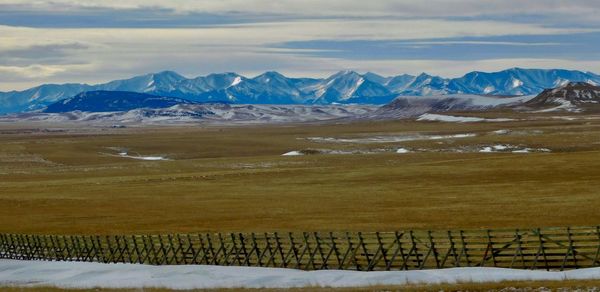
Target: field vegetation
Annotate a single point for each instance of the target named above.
(70, 179)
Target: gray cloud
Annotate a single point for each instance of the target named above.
(573, 46)
(50, 54)
(106, 17)
(192, 13)
(93, 41)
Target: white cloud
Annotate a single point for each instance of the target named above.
(412, 8)
(31, 71)
(110, 53)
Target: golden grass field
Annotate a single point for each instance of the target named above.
(233, 178)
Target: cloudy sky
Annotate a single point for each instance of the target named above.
(60, 41)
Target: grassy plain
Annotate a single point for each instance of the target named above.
(67, 179)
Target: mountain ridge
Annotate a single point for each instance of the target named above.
(571, 97)
(108, 101)
(274, 88)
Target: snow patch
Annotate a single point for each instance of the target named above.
(516, 83)
(566, 118)
(563, 105)
(486, 149)
(561, 82)
(390, 139)
(488, 89)
(526, 150)
(529, 150)
(402, 150)
(236, 81)
(501, 132)
(458, 119)
(505, 148)
(84, 275)
(501, 147)
(139, 157)
(292, 153)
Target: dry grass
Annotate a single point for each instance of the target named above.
(234, 179)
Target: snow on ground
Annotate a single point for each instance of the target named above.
(390, 139)
(486, 149)
(511, 148)
(292, 153)
(90, 275)
(402, 150)
(528, 150)
(501, 132)
(479, 100)
(333, 152)
(149, 158)
(564, 105)
(458, 119)
(499, 148)
(205, 113)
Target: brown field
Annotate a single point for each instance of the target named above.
(68, 180)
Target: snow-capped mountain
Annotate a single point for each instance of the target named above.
(517, 81)
(344, 87)
(573, 96)
(110, 101)
(157, 83)
(425, 84)
(267, 88)
(38, 97)
(347, 87)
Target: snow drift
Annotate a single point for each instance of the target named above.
(88, 275)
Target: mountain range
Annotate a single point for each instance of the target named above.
(112, 101)
(345, 87)
(125, 107)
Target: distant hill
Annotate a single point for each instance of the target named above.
(112, 101)
(412, 106)
(344, 87)
(573, 96)
(203, 112)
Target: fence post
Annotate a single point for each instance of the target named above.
(570, 251)
(320, 249)
(414, 249)
(542, 249)
(236, 249)
(491, 243)
(397, 240)
(335, 250)
(293, 249)
(268, 248)
(518, 250)
(244, 250)
(204, 250)
(597, 250)
(280, 250)
(465, 250)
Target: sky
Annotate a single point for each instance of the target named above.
(93, 41)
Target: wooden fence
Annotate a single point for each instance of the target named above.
(547, 248)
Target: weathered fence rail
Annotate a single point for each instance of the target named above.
(547, 248)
